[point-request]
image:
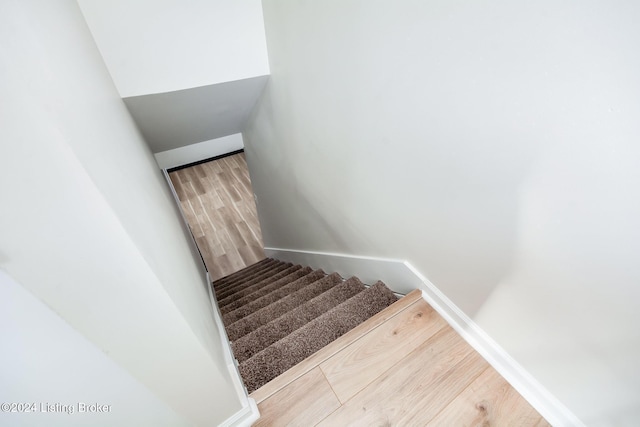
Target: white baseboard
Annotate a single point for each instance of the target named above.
(249, 412)
(392, 272)
(245, 417)
(402, 277)
(199, 151)
(229, 358)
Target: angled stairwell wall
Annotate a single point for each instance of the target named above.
(90, 231)
(493, 145)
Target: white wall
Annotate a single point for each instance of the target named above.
(492, 145)
(152, 47)
(200, 151)
(180, 118)
(88, 225)
(51, 364)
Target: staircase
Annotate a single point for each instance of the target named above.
(277, 314)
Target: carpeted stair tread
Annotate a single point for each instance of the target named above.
(261, 338)
(252, 277)
(256, 290)
(244, 272)
(240, 276)
(255, 277)
(273, 311)
(247, 270)
(255, 282)
(297, 346)
(271, 293)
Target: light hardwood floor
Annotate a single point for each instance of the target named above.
(403, 367)
(218, 203)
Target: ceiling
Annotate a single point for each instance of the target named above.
(174, 119)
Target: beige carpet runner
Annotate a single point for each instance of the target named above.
(277, 314)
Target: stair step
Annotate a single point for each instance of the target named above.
(231, 284)
(261, 338)
(263, 288)
(270, 294)
(295, 347)
(256, 282)
(247, 270)
(238, 275)
(273, 311)
(253, 277)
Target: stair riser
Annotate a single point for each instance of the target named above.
(240, 275)
(258, 280)
(261, 291)
(267, 314)
(274, 331)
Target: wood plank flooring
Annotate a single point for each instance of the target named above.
(405, 366)
(218, 203)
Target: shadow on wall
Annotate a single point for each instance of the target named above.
(297, 215)
(451, 211)
(3, 259)
(460, 232)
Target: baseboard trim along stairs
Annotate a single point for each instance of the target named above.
(249, 413)
(403, 278)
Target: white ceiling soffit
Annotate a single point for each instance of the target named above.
(175, 119)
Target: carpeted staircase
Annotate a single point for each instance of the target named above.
(277, 314)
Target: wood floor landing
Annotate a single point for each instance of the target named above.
(217, 200)
(405, 366)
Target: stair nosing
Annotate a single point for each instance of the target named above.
(319, 325)
(298, 370)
